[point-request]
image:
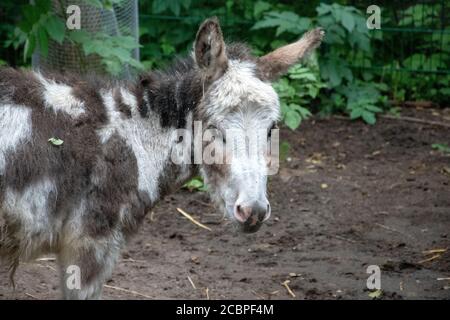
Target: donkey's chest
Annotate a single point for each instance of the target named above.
(141, 151)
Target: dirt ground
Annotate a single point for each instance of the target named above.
(348, 196)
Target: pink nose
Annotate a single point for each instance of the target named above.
(242, 213)
(251, 215)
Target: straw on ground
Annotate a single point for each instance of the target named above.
(190, 218)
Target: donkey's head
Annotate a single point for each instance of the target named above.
(240, 106)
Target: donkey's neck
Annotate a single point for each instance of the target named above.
(171, 95)
(146, 120)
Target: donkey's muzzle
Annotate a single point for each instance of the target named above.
(251, 217)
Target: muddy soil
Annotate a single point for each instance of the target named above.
(348, 196)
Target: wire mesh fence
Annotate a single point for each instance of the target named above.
(120, 20)
(414, 35)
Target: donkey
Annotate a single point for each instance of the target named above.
(83, 196)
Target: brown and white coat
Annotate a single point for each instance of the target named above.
(83, 199)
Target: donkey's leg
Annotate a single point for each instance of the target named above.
(85, 267)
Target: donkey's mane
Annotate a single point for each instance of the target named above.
(172, 91)
(177, 88)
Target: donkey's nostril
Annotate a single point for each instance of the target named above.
(251, 215)
(242, 213)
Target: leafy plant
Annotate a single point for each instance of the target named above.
(362, 100)
(36, 28)
(348, 39)
(174, 6)
(443, 147)
(351, 58)
(195, 184)
(115, 51)
(284, 150)
(286, 21)
(297, 90)
(40, 25)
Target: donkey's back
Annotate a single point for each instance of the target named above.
(81, 161)
(62, 189)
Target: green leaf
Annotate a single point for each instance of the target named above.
(369, 117)
(260, 7)
(186, 3)
(375, 294)
(175, 7)
(167, 48)
(126, 42)
(121, 53)
(441, 147)
(42, 42)
(160, 6)
(267, 23)
(43, 6)
(78, 36)
(330, 70)
(55, 28)
(284, 109)
(292, 119)
(31, 14)
(30, 45)
(94, 3)
(284, 150)
(373, 108)
(347, 20)
(195, 183)
(361, 41)
(90, 47)
(445, 91)
(323, 9)
(303, 75)
(55, 141)
(305, 113)
(113, 66)
(286, 21)
(356, 113)
(136, 64)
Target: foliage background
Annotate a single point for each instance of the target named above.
(358, 72)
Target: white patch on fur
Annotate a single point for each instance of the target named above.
(241, 102)
(239, 87)
(59, 97)
(246, 181)
(30, 208)
(15, 129)
(130, 100)
(75, 240)
(149, 142)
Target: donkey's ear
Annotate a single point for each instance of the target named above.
(276, 63)
(209, 49)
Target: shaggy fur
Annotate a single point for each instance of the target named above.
(83, 199)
